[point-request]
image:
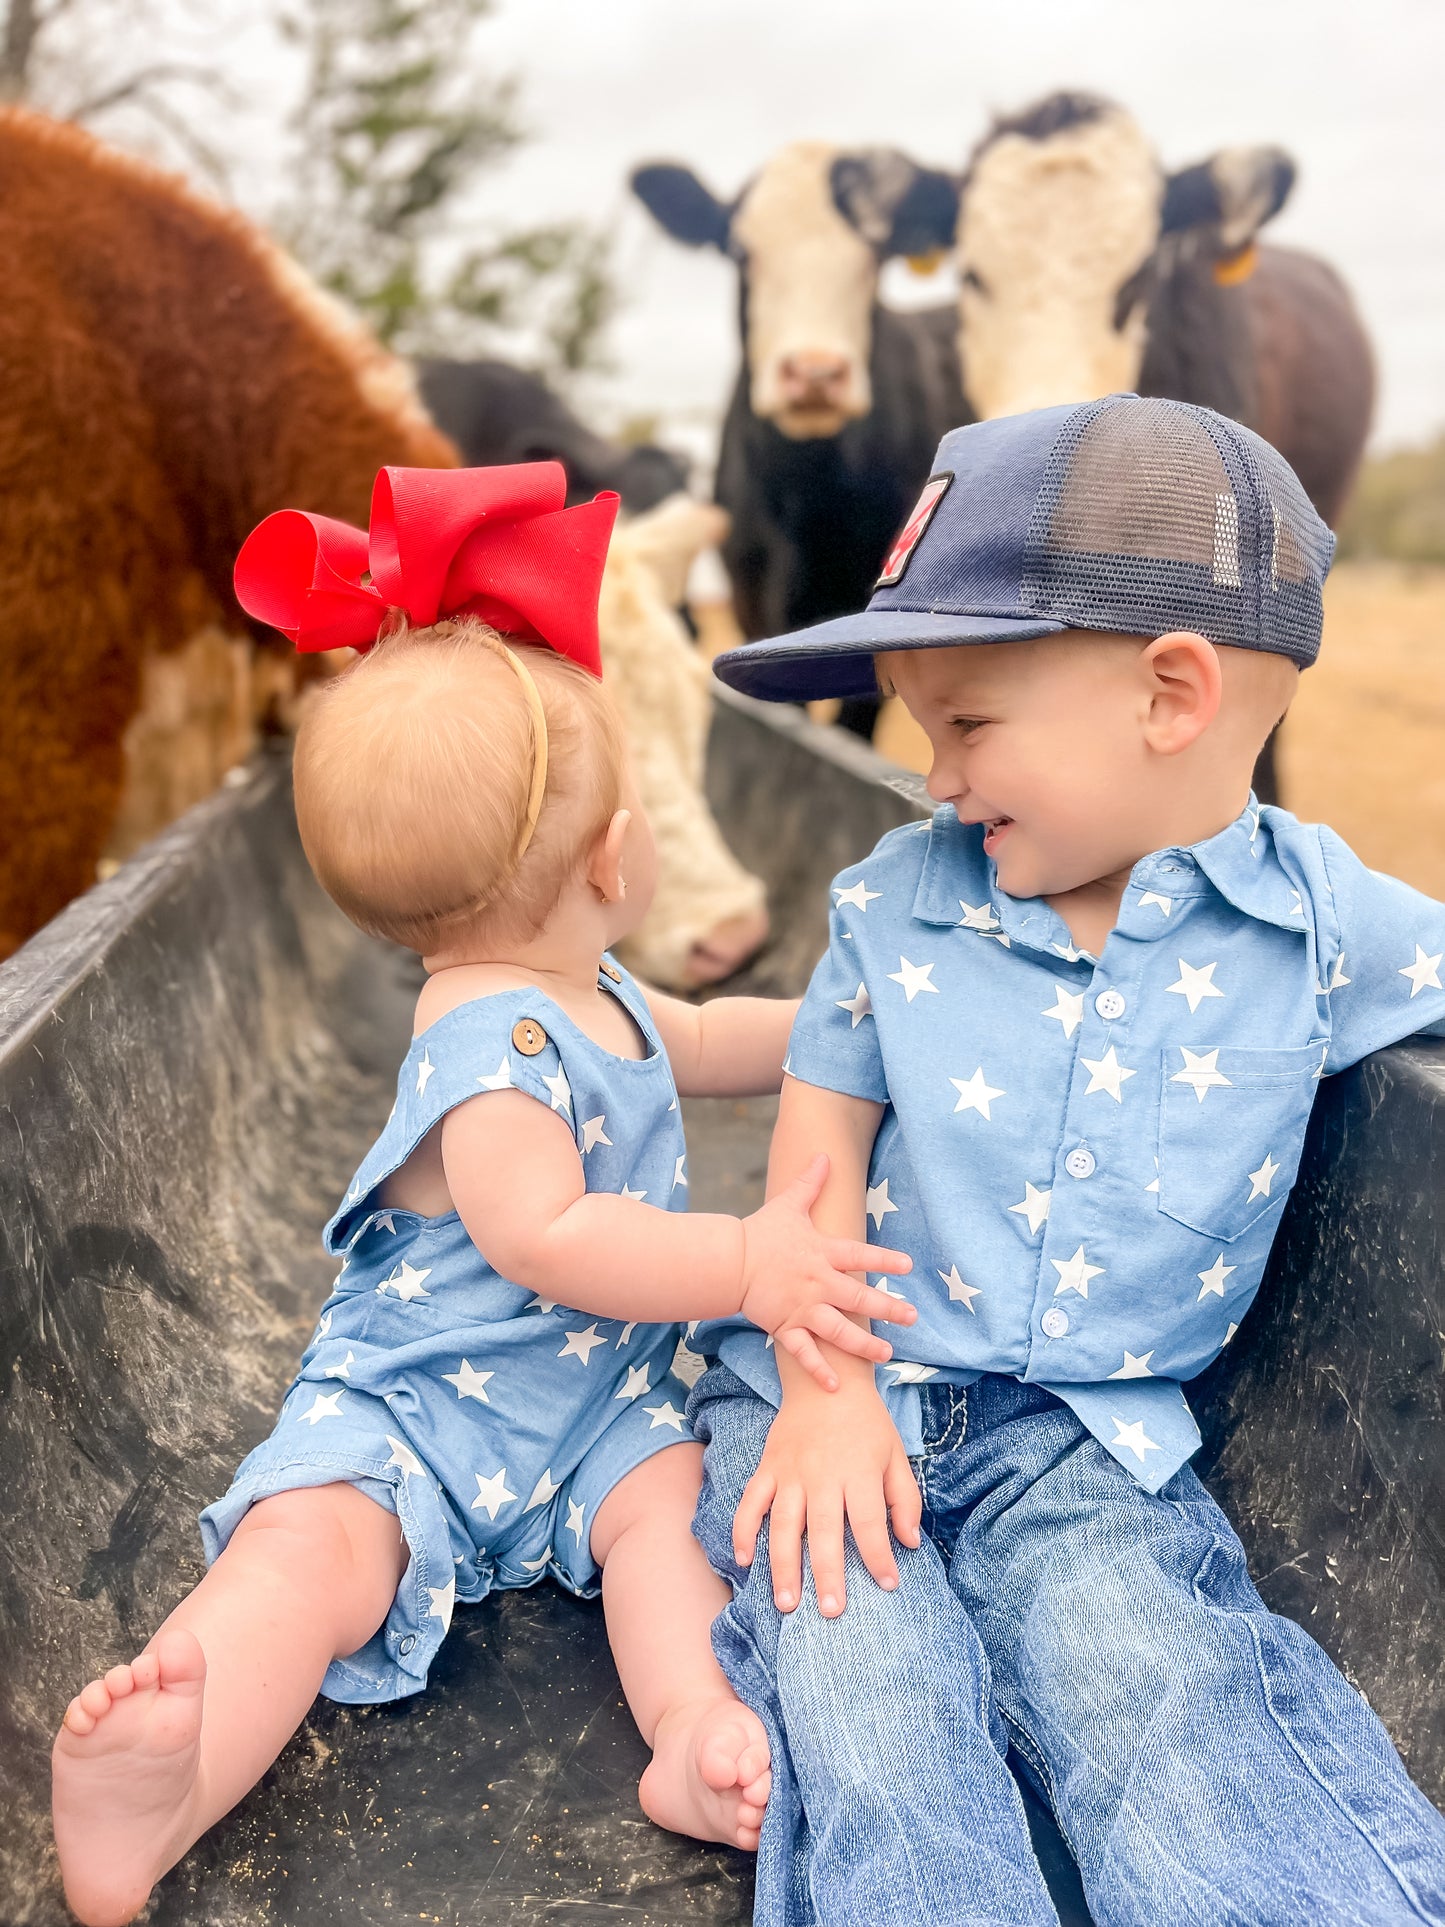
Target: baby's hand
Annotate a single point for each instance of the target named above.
(828, 1462)
(796, 1283)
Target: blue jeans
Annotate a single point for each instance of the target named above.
(1205, 1761)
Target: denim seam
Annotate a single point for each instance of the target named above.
(1385, 1861)
(1029, 1748)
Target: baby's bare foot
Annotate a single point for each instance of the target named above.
(710, 1773)
(123, 1778)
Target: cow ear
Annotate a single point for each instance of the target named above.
(680, 204)
(1235, 192)
(897, 206)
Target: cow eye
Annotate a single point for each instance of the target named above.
(971, 278)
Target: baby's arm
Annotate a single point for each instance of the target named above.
(730, 1047)
(831, 1458)
(516, 1180)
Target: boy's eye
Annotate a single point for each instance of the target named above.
(966, 725)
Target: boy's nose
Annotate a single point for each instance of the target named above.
(942, 785)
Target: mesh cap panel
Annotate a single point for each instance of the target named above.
(1154, 515)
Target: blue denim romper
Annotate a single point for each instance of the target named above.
(492, 1422)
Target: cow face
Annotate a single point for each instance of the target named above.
(1066, 226)
(809, 233)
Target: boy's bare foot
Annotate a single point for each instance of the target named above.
(123, 1776)
(710, 1773)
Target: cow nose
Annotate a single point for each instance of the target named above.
(814, 376)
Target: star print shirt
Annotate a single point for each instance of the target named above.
(1087, 1158)
(493, 1421)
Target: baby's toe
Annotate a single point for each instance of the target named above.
(119, 1683)
(95, 1699)
(145, 1672)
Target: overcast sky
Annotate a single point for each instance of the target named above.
(1352, 88)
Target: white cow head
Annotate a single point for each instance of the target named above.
(809, 232)
(1066, 221)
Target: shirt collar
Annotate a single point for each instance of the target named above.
(959, 884)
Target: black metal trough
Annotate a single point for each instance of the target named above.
(191, 1059)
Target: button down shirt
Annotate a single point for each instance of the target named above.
(1087, 1158)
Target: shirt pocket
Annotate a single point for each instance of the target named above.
(1231, 1127)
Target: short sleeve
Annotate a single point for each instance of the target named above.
(1387, 978)
(835, 1042)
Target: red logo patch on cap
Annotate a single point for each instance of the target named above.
(911, 534)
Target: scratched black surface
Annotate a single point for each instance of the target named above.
(190, 1060)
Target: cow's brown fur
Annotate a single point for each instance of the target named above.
(168, 379)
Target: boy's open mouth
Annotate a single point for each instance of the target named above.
(995, 829)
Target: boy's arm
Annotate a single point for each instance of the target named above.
(517, 1183)
(831, 1458)
(730, 1047)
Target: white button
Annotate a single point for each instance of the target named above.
(1080, 1163)
(1110, 1004)
(1055, 1322)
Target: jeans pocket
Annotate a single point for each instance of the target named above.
(1231, 1129)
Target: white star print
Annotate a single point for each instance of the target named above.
(582, 1344)
(1200, 1071)
(1196, 983)
(679, 1175)
(323, 1328)
(1106, 1074)
(594, 1132)
(443, 1598)
(1166, 904)
(1134, 1368)
(879, 1204)
(975, 1094)
(543, 1491)
(574, 1519)
(1297, 908)
(1075, 1273)
(1133, 1436)
(492, 1493)
(1262, 1179)
(913, 977)
(405, 1281)
(1068, 952)
(959, 1293)
(403, 1456)
(423, 1072)
(543, 1305)
(664, 1414)
(858, 894)
(636, 1196)
(501, 1078)
(1213, 1279)
(912, 1374)
(859, 1005)
(1068, 1007)
(470, 1383)
(1424, 971)
(978, 916)
(559, 1087)
(1153, 1184)
(536, 1565)
(629, 1328)
(637, 1383)
(343, 1370)
(384, 1221)
(327, 1405)
(1338, 980)
(1034, 1206)
(1230, 1333)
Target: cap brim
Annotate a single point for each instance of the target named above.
(836, 658)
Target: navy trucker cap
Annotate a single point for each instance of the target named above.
(1128, 514)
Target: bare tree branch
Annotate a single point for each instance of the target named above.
(145, 77)
(22, 24)
(206, 157)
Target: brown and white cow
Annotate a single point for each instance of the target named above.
(840, 402)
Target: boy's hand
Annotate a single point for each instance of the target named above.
(827, 1462)
(796, 1282)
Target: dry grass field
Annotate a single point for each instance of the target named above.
(1364, 746)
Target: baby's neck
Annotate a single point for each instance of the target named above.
(564, 954)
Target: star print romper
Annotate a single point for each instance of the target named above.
(491, 1422)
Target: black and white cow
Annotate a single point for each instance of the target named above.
(1085, 269)
(840, 401)
(497, 413)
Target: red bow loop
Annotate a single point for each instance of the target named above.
(493, 542)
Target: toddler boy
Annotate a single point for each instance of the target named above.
(1063, 1049)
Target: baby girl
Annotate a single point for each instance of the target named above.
(488, 1397)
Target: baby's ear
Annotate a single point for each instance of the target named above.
(1186, 684)
(604, 862)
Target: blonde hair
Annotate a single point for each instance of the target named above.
(414, 772)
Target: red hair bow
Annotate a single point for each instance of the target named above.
(491, 542)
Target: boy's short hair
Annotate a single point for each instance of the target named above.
(412, 776)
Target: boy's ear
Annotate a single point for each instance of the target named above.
(1185, 687)
(604, 864)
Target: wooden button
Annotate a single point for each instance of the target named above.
(611, 970)
(528, 1036)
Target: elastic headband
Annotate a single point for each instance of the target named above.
(539, 752)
